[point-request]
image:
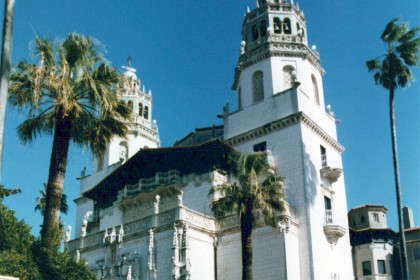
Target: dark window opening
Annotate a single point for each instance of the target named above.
(367, 268)
(254, 33)
(263, 28)
(140, 109)
(146, 112)
(381, 267)
(323, 157)
(277, 25)
(362, 219)
(287, 27)
(260, 147)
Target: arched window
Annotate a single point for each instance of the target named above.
(297, 26)
(277, 25)
(287, 76)
(254, 33)
(287, 26)
(239, 98)
(258, 86)
(263, 28)
(315, 86)
(140, 109)
(130, 105)
(123, 151)
(146, 112)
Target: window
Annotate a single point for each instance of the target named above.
(258, 86)
(381, 267)
(287, 27)
(130, 105)
(263, 28)
(376, 217)
(239, 98)
(254, 31)
(328, 210)
(367, 268)
(123, 151)
(323, 157)
(140, 109)
(260, 147)
(277, 25)
(315, 87)
(146, 112)
(416, 254)
(362, 219)
(287, 76)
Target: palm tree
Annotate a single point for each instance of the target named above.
(70, 94)
(5, 68)
(256, 191)
(392, 71)
(41, 199)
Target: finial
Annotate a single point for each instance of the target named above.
(297, 6)
(291, 2)
(129, 59)
(258, 4)
(248, 10)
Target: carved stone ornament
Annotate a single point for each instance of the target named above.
(332, 174)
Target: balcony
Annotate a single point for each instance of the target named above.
(332, 229)
(327, 172)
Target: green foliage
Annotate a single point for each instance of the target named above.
(15, 235)
(402, 52)
(21, 256)
(7, 192)
(40, 206)
(256, 190)
(60, 266)
(19, 265)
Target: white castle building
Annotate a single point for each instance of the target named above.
(144, 213)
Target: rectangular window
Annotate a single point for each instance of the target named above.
(323, 157)
(381, 267)
(416, 254)
(260, 147)
(376, 217)
(328, 211)
(367, 268)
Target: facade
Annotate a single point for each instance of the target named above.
(148, 217)
(376, 248)
(373, 243)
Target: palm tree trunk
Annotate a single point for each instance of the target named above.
(50, 234)
(5, 68)
(246, 238)
(397, 186)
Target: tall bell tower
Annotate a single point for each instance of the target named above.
(280, 108)
(143, 133)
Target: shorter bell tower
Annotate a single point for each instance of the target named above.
(142, 134)
(143, 131)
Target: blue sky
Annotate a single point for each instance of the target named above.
(186, 51)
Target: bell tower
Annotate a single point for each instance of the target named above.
(143, 131)
(280, 108)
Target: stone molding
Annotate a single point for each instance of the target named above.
(281, 124)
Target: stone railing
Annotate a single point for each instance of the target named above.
(172, 177)
(143, 225)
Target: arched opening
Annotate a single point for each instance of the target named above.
(123, 151)
(263, 28)
(287, 76)
(254, 33)
(146, 112)
(140, 109)
(277, 25)
(239, 98)
(258, 86)
(130, 105)
(316, 91)
(287, 26)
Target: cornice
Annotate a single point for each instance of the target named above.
(281, 124)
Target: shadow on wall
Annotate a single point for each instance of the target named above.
(311, 178)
